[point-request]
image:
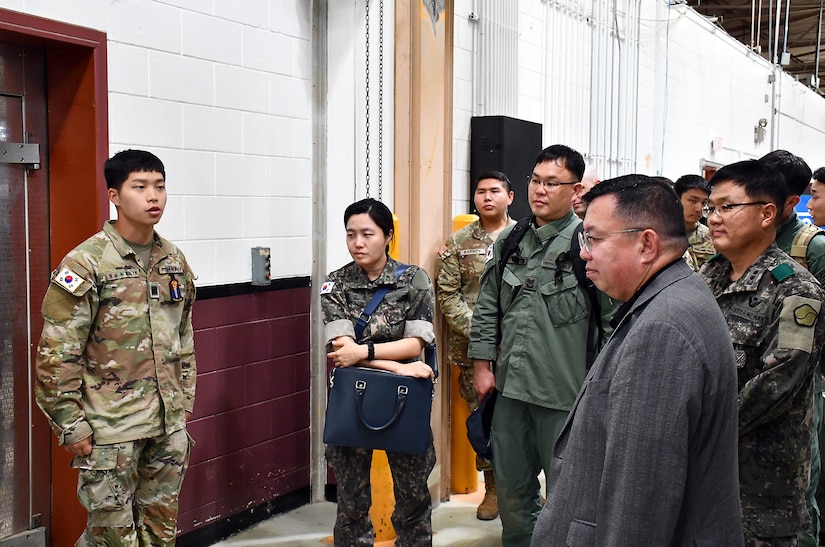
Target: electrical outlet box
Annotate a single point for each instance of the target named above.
(261, 266)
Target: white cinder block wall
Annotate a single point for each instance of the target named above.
(220, 91)
(692, 85)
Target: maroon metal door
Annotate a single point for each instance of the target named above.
(24, 274)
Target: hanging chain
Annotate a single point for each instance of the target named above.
(380, 99)
(367, 100)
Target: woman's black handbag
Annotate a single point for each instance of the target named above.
(371, 408)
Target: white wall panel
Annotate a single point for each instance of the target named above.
(181, 79)
(212, 129)
(191, 80)
(145, 122)
(128, 69)
(241, 89)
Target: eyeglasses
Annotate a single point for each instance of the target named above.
(725, 209)
(586, 238)
(547, 184)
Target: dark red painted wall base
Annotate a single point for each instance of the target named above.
(251, 421)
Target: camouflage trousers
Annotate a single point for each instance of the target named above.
(130, 491)
(413, 507)
(468, 393)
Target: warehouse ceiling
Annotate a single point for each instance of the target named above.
(753, 22)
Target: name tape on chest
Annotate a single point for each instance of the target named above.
(122, 273)
(68, 280)
(170, 269)
(472, 252)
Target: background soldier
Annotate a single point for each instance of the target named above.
(116, 363)
(693, 192)
(806, 244)
(773, 308)
(462, 263)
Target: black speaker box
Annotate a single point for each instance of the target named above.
(509, 145)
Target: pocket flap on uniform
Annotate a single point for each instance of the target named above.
(101, 459)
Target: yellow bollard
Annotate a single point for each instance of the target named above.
(463, 474)
(383, 498)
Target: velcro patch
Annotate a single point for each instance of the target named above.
(69, 281)
(326, 288)
(489, 255)
(796, 323)
(442, 252)
(170, 269)
(122, 273)
(468, 252)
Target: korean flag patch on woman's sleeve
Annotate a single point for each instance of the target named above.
(326, 288)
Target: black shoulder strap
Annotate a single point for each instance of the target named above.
(595, 331)
(510, 244)
(372, 305)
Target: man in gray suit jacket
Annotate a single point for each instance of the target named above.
(648, 455)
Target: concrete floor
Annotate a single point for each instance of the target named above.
(454, 524)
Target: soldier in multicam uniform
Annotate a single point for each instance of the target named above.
(116, 364)
(693, 192)
(392, 340)
(773, 307)
(463, 258)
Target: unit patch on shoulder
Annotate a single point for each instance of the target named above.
(68, 280)
(490, 253)
(442, 252)
(805, 315)
(326, 288)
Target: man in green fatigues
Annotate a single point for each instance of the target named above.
(805, 244)
(532, 321)
(773, 309)
(693, 192)
(462, 262)
(116, 363)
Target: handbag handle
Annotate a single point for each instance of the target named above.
(400, 401)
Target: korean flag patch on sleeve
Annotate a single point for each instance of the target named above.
(326, 288)
(489, 253)
(68, 280)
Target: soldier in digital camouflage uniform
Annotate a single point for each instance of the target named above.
(392, 340)
(462, 261)
(693, 192)
(773, 309)
(805, 244)
(116, 365)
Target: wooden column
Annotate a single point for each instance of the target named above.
(423, 163)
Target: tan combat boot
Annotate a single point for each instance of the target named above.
(488, 510)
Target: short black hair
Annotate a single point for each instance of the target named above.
(689, 182)
(796, 172)
(758, 179)
(377, 211)
(498, 175)
(819, 174)
(118, 168)
(573, 161)
(644, 201)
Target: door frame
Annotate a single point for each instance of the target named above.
(78, 136)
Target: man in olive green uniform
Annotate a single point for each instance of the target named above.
(773, 309)
(537, 315)
(805, 244)
(116, 364)
(693, 192)
(462, 262)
